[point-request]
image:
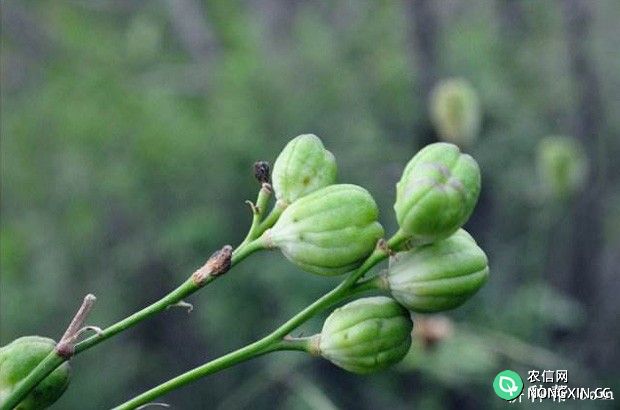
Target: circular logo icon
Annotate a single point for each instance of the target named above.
(508, 385)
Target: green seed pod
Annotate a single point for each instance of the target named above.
(303, 166)
(562, 166)
(366, 335)
(455, 111)
(436, 193)
(328, 232)
(439, 276)
(18, 359)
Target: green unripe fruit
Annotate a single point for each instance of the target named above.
(328, 232)
(562, 165)
(439, 276)
(455, 111)
(366, 335)
(18, 359)
(436, 193)
(303, 166)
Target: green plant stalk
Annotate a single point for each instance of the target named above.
(251, 351)
(53, 360)
(270, 219)
(375, 283)
(258, 211)
(276, 340)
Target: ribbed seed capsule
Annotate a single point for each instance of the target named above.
(18, 359)
(303, 166)
(328, 232)
(366, 335)
(436, 193)
(439, 276)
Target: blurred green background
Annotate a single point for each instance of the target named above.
(129, 129)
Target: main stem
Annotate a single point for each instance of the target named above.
(265, 345)
(272, 342)
(53, 360)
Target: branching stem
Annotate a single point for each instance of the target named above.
(278, 339)
(258, 212)
(271, 219)
(210, 271)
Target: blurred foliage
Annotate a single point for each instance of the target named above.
(127, 152)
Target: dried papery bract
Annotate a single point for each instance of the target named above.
(439, 276)
(18, 359)
(218, 264)
(366, 335)
(328, 232)
(436, 193)
(261, 172)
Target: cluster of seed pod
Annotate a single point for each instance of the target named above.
(330, 229)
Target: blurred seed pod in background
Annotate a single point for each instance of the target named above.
(562, 166)
(18, 359)
(328, 232)
(303, 166)
(437, 193)
(455, 111)
(143, 39)
(440, 276)
(366, 335)
(433, 329)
